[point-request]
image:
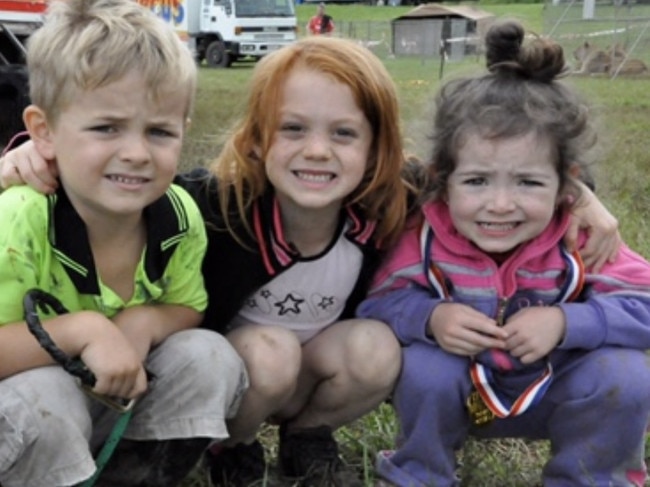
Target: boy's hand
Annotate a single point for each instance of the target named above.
(462, 330)
(116, 364)
(24, 165)
(534, 332)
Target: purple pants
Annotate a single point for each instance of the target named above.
(595, 414)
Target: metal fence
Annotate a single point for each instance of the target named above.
(607, 38)
(613, 37)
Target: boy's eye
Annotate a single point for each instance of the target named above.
(475, 181)
(106, 129)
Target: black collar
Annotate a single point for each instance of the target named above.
(165, 219)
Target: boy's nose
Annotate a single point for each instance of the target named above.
(135, 150)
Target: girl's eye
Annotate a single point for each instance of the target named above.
(290, 127)
(530, 182)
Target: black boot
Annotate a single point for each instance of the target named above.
(152, 463)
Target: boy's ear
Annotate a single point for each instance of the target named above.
(40, 131)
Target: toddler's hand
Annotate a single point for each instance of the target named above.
(534, 332)
(462, 330)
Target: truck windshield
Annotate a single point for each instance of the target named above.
(264, 8)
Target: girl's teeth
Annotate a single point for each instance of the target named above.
(314, 178)
(498, 226)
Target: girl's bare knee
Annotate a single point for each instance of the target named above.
(272, 356)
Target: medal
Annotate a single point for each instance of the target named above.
(478, 410)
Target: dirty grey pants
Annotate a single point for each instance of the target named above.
(50, 429)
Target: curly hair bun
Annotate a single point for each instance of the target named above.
(506, 54)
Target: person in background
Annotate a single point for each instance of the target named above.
(321, 23)
(505, 332)
(120, 247)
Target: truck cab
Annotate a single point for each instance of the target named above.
(222, 31)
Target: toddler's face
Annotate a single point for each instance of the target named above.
(116, 148)
(503, 192)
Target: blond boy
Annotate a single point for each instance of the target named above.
(112, 88)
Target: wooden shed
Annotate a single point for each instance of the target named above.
(424, 30)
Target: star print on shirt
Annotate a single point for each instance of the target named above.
(289, 305)
(326, 302)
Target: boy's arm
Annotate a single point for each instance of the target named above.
(145, 326)
(84, 334)
(184, 298)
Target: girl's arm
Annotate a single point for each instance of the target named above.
(24, 165)
(604, 238)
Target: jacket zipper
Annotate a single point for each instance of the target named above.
(501, 311)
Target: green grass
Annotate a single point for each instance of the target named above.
(623, 183)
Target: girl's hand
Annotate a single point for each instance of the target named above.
(462, 330)
(533, 332)
(604, 238)
(24, 165)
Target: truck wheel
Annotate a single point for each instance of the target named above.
(216, 55)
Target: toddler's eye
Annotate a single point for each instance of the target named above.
(346, 132)
(159, 132)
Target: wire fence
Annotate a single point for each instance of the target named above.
(607, 38)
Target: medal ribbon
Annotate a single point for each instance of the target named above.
(482, 377)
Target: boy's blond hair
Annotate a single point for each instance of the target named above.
(87, 44)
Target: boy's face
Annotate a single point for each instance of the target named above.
(321, 147)
(503, 192)
(116, 148)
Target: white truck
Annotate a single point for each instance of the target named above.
(18, 19)
(223, 31)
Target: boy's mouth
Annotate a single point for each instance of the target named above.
(127, 179)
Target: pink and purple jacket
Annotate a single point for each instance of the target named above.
(613, 308)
